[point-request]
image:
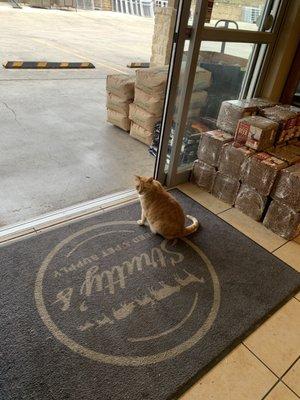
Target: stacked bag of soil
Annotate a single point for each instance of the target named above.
(147, 108)
(120, 94)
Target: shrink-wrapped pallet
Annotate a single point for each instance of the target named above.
(121, 85)
(255, 132)
(141, 134)
(225, 188)
(142, 117)
(287, 187)
(250, 202)
(203, 175)
(261, 103)
(152, 80)
(260, 172)
(210, 146)
(232, 111)
(289, 153)
(118, 104)
(286, 120)
(232, 158)
(120, 120)
(152, 104)
(282, 220)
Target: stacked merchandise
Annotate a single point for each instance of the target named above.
(147, 108)
(189, 147)
(199, 95)
(243, 172)
(283, 215)
(120, 94)
(205, 167)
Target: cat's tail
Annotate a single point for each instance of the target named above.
(191, 228)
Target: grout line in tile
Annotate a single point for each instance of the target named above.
(270, 390)
(256, 356)
(224, 210)
(296, 298)
(290, 367)
(273, 251)
(290, 389)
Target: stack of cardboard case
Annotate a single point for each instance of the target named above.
(120, 94)
(254, 157)
(147, 108)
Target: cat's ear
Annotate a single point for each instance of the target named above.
(137, 178)
(150, 180)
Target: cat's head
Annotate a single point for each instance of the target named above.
(143, 184)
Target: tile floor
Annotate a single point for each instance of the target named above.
(266, 365)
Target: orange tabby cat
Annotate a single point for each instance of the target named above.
(163, 213)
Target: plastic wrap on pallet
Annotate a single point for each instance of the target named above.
(120, 120)
(261, 103)
(141, 134)
(203, 175)
(297, 111)
(225, 188)
(287, 187)
(152, 104)
(250, 202)
(142, 118)
(260, 172)
(210, 146)
(232, 158)
(286, 119)
(118, 104)
(121, 85)
(289, 153)
(232, 111)
(255, 132)
(152, 80)
(282, 220)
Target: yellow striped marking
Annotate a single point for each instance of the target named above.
(17, 64)
(64, 64)
(41, 64)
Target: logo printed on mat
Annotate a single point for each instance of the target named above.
(117, 294)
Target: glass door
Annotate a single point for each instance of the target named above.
(222, 51)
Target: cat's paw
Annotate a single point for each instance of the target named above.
(140, 222)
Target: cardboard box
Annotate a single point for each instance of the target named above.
(232, 158)
(250, 202)
(232, 111)
(203, 175)
(210, 146)
(286, 119)
(225, 188)
(260, 172)
(255, 132)
(282, 220)
(287, 187)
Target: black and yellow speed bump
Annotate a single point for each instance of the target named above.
(138, 65)
(47, 65)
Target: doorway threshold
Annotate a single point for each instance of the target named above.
(32, 226)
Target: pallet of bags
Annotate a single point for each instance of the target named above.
(283, 215)
(147, 108)
(120, 94)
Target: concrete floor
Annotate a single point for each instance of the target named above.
(56, 148)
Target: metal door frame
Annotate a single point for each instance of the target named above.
(265, 42)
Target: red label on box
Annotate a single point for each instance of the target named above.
(242, 132)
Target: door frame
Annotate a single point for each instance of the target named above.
(258, 66)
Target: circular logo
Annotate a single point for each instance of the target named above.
(117, 294)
